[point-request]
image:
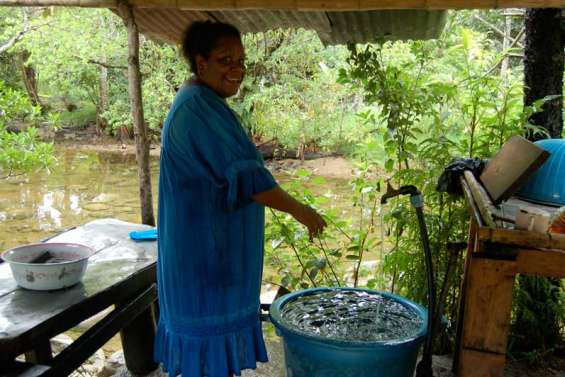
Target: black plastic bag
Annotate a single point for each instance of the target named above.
(449, 179)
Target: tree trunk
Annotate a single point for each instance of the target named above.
(536, 326)
(102, 105)
(543, 67)
(140, 132)
(505, 46)
(29, 78)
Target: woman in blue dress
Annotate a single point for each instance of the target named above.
(212, 191)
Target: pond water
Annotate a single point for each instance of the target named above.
(84, 186)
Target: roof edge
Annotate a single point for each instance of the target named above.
(297, 5)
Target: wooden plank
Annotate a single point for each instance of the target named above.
(62, 3)
(514, 163)
(473, 209)
(82, 348)
(299, 5)
(481, 199)
(481, 364)
(488, 303)
(548, 263)
(523, 238)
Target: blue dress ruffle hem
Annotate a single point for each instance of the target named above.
(210, 355)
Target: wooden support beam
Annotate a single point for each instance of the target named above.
(548, 263)
(41, 354)
(140, 128)
(138, 338)
(523, 238)
(481, 364)
(297, 5)
(81, 349)
(488, 303)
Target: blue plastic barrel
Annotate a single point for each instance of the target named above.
(547, 184)
(316, 356)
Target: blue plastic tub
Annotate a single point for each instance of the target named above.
(315, 356)
(547, 184)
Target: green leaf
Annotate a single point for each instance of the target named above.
(276, 243)
(318, 180)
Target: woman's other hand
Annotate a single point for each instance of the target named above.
(311, 219)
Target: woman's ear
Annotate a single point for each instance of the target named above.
(200, 64)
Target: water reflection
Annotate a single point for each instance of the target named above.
(82, 187)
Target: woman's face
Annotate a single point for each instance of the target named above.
(224, 69)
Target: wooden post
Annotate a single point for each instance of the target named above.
(41, 354)
(486, 317)
(138, 338)
(141, 140)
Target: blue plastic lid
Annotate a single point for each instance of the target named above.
(547, 184)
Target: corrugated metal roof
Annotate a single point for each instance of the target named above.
(387, 25)
(167, 24)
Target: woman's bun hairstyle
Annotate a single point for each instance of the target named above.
(201, 37)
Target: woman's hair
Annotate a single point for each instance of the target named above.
(201, 37)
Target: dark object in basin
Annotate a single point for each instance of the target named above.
(42, 258)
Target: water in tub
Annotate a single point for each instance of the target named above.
(352, 316)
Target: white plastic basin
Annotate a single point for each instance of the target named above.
(68, 270)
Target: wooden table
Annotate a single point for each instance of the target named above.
(496, 254)
(122, 275)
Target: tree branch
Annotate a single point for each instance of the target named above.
(18, 37)
(507, 51)
(106, 65)
(496, 29)
(489, 25)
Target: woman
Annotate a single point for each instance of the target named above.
(212, 191)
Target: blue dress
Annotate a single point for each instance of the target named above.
(211, 236)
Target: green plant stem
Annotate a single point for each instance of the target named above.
(328, 261)
(304, 270)
(327, 218)
(362, 244)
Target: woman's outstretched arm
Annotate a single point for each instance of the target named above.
(279, 199)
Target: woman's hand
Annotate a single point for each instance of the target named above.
(279, 199)
(311, 219)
